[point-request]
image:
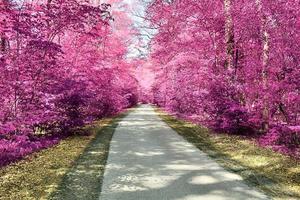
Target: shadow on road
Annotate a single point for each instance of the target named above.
(149, 161)
(84, 179)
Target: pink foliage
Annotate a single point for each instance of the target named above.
(233, 67)
(61, 66)
(244, 83)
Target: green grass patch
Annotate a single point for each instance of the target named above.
(73, 169)
(276, 175)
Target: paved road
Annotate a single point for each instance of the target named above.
(150, 161)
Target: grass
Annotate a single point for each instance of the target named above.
(54, 173)
(276, 175)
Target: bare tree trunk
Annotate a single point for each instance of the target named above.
(4, 6)
(229, 35)
(265, 59)
(2, 42)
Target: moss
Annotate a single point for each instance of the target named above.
(275, 174)
(68, 169)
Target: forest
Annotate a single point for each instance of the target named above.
(61, 66)
(230, 65)
(149, 99)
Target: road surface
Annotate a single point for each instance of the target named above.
(150, 161)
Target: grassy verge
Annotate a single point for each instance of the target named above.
(72, 169)
(276, 175)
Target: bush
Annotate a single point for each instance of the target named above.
(232, 119)
(282, 138)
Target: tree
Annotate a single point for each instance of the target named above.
(234, 76)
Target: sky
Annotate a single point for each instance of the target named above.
(144, 73)
(136, 13)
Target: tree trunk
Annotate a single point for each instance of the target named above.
(229, 35)
(4, 6)
(265, 59)
(2, 42)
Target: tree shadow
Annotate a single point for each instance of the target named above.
(84, 179)
(198, 184)
(149, 161)
(252, 176)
